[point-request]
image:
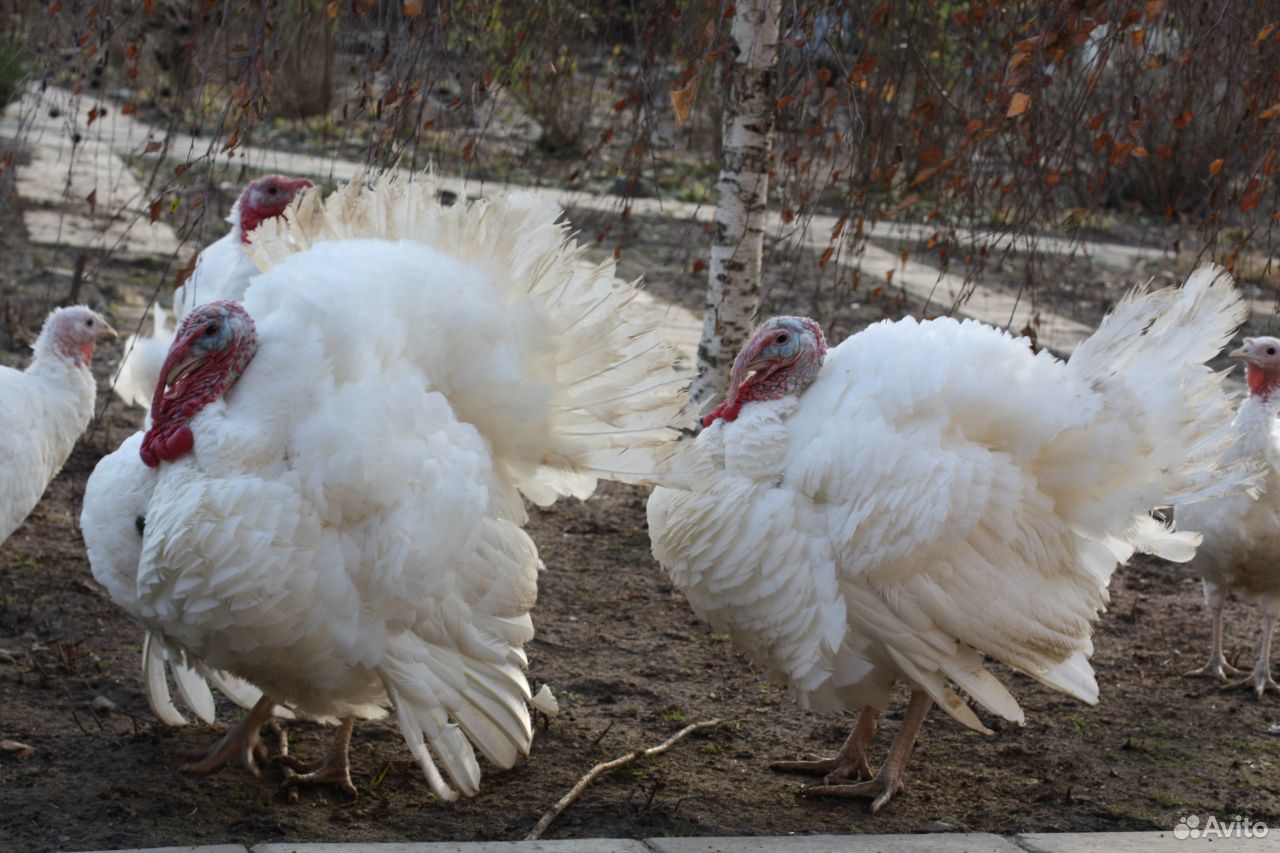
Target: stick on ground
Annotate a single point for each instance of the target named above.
(600, 769)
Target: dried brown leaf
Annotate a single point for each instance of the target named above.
(1018, 104)
(682, 100)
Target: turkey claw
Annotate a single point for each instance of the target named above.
(316, 773)
(1218, 670)
(833, 770)
(243, 743)
(1258, 681)
(881, 789)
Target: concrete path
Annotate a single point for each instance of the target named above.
(48, 121)
(977, 842)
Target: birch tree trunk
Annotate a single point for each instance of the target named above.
(733, 286)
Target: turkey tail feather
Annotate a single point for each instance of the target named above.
(597, 379)
(1164, 420)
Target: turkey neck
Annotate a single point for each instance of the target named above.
(1254, 424)
(66, 393)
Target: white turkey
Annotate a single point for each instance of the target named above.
(331, 484)
(1241, 550)
(45, 408)
(222, 271)
(928, 493)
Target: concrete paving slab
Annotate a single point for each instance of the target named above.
(139, 237)
(213, 848)
(967, 842)
(1139, 842)
(577, 845)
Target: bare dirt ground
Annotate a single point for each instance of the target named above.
(630, 664)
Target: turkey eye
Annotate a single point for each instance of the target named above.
(1271, 350)
(271, 190)
(781, 339)
(89, 322)
(211, 329)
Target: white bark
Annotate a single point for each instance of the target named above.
(733, 286)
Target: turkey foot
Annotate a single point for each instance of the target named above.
(1217, 667)
(1260, 679)
(242, 743)
(888, 781)
(850, 762)
(334, 768)
(282, 741)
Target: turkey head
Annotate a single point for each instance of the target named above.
(266, 198)
(212, 348)
(785, 354)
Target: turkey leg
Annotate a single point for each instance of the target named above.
(850, 762)
(1261, 679)
(1217, 667)
(243, 742)
(888, 781)
(334, 767)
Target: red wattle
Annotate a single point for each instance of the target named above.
(160, 447)
(178, 444)
(726, 411)
(1260, 383)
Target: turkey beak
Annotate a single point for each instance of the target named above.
(1240, 354)
(742, 367)
(180, 370)
(297, 186)
(106, 331)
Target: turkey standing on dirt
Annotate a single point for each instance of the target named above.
(332, 478)
(45, 408)
(1241, 550)
(222, 271)
(930, 492)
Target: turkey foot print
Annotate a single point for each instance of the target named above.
(1217, 667)
(888, 781)
(850, 762)
(243, 742)
(334, 768)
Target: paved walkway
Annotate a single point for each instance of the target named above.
(49, 120)
(1089, 842)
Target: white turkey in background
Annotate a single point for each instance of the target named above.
(45, 408)
(1241, 550)
(222, 271)
(928, 493)
(333, 478)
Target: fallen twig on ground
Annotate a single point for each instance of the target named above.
(600, 769)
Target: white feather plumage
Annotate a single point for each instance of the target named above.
(43, 410)
(347, 529)
(940, 493)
